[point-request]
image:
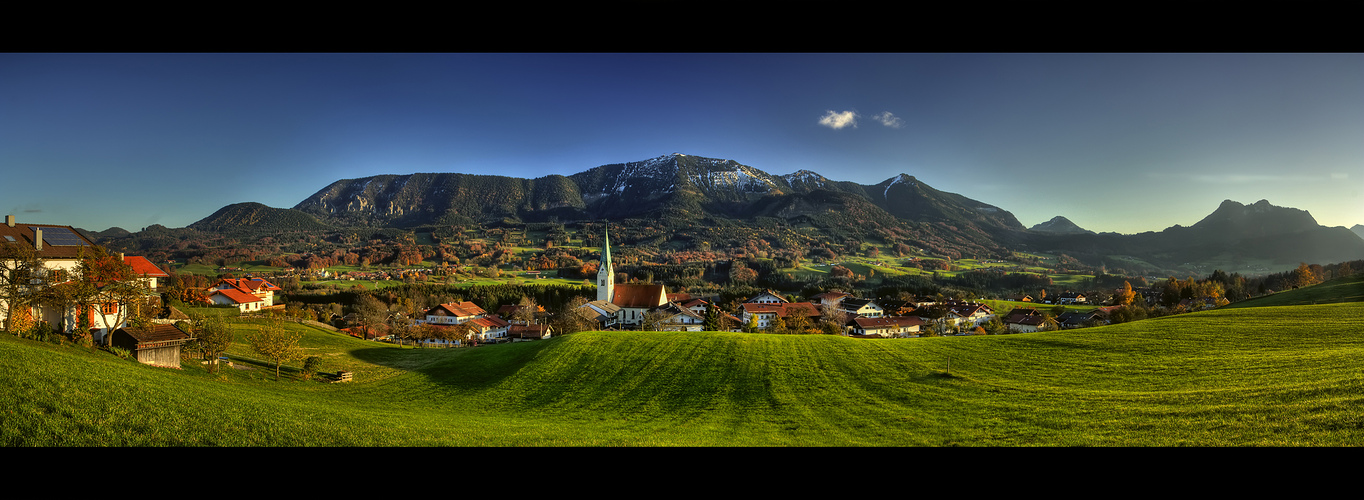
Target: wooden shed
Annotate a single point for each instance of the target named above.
(158, 345)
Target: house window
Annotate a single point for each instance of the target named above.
(109, 308)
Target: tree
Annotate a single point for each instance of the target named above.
(712, 321)
(20, 265)
(741, 273)
(574, 317)
(525, 311)
(798, 322)
(1125, 296)
(830, 314)
(752, 326)
(370, 312)
(1303, 275)
(277, 343)
(214, 337)
(653, 320)
(106, 292)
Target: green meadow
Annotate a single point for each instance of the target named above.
(1275, 375)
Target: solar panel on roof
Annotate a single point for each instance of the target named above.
(60, 236)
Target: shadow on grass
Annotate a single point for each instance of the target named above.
(463, 368)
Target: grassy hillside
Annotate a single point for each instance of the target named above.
(1347, 289)
(1264, 376)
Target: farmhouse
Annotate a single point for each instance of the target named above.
(767, 314)
(60, 250)
(1071, 298)
(519, 333)
(888, 326)
(969, 312)
(862, 308)
(454, 313)
(1077, 319)
(245, 302)
(1023, 320)
(469, 316)
(145, 270)
(675, 318)
(767, 297)
(257, 287)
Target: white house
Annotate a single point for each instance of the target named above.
(61, 250)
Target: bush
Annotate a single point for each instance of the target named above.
(42, 331)
(310, 367)
(120, 352)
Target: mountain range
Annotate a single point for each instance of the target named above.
(695, 191)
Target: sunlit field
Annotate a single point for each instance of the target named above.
(1253, 376)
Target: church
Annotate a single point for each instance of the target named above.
(634, 300)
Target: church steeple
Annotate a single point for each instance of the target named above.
(606, 275)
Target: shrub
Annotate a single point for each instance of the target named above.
(120, 352)
(310, 367)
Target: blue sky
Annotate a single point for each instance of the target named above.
(1114, 142)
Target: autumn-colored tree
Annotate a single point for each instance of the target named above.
(19, 266)
(740, 273)
(1303, 275)
(1125, 296)
(277, 343)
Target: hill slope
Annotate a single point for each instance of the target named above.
(258, 217)
(1278, 376)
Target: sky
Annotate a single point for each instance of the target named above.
(1125, 142)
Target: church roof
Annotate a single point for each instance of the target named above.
(636, 295)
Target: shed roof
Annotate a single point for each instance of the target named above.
(156, 333)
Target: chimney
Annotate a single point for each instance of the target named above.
(37, 238)
(9, 220)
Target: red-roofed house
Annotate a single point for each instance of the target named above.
(145, 269)
(244, 301)
(768, 313)
(454, 313)
(259, 288)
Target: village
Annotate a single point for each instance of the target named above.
(107, 309)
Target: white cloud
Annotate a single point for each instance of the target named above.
(889, 120)
(839, 120)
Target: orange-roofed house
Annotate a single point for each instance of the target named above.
(454, 313)
(245, 302)
(768, 313)
(256, 287)
(144, 269)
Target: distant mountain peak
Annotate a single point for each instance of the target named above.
(1261, 216)
(1060, 225)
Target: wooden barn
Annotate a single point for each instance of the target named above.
(158, 345)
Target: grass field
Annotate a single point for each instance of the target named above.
(1255, 376)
